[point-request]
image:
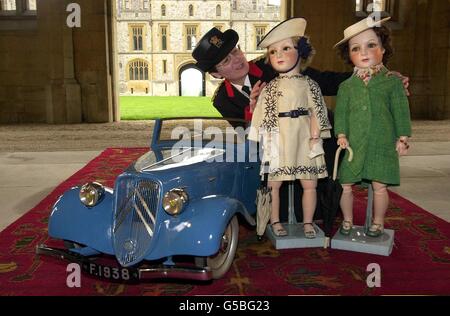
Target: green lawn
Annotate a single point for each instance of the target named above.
(149, 108)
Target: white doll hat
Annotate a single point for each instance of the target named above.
(286, 29)
(359, 27)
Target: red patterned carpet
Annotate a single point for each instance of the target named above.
(419, 263)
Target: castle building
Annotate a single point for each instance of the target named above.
(156, 39)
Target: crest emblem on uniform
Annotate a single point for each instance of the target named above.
(216, 41)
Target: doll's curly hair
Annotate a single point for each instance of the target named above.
(383, 33)
(305, 61)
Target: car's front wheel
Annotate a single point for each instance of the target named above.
(221, 262)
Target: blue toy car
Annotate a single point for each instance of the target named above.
(172, 213)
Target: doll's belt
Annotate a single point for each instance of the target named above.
(294, 113)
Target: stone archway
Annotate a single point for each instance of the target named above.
(191, 81)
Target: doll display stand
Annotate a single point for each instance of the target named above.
(358, 241)
(296, 237)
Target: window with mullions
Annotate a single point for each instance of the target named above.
(385, 7)
(8, 5)
(126, 5)
(134, 5)
(191, 33)
(137, 37)
(163, 32)
(260, 31)
(138, 70)
(17, 7)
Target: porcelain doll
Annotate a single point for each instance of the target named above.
(290, 119)
(372, 117)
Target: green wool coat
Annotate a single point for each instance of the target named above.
(372, 117)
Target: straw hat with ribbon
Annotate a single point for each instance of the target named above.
(290, 28)
(360, 27)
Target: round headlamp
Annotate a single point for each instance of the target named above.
(91, 193)
(174, 201)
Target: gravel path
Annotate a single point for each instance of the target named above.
(74, 137)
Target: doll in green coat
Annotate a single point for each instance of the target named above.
(372, 117)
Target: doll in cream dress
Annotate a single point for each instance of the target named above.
(290, 119)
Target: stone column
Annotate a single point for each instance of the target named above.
(92, 53)
(114, 64)
(63, 90)
(412, 55)
(439, 59)
(430, 64)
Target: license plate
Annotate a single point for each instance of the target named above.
(111, 273)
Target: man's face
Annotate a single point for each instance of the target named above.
(283, 55)
(365, 49)
(234, 67)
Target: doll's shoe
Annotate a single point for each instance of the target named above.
(317, 150)
(310, 234)
(278, 232)
(346, 228)
(375, 230)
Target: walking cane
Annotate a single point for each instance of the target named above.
(369, 209)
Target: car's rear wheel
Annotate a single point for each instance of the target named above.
(221, 262)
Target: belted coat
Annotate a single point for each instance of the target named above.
(372, 117)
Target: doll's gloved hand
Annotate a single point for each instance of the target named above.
(316, 148)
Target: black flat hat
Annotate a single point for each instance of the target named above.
(213, 47)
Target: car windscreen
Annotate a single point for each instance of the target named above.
(177, 157)
(149, 159)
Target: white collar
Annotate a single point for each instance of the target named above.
(246, 83)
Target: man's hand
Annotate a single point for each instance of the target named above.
(404, 79)
(256, 91)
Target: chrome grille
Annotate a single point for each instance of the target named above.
(134, 219)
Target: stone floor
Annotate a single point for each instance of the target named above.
(35, 158)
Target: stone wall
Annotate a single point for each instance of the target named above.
(50, 73)
(23, 69)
